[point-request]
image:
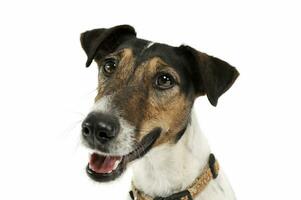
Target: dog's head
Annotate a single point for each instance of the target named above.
(145, 94)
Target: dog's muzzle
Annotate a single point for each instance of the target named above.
(98, 131)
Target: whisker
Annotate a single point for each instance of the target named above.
(71, 127)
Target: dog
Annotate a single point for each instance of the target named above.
(143, 114)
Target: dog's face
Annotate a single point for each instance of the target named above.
(145, 94)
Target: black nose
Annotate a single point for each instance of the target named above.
(100, 128)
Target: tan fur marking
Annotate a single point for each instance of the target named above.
(171, 117)
(125, 66)
(124, 69)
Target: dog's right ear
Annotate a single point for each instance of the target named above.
(104, 41)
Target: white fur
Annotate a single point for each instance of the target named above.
(149, 45)
(102, 105)
(124, 143)
(168, 169)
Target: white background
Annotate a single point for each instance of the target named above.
(46, 91)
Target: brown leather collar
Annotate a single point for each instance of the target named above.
(209, 172)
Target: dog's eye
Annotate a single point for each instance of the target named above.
(164, 81)
(109, 66)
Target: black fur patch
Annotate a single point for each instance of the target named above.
(180, 134)
(104, 41)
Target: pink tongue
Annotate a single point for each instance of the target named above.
(102, 164)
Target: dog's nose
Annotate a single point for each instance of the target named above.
(100, 128)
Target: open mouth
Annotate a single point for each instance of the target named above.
(104, 168)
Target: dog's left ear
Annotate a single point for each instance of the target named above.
(104, 41)
(211, 76)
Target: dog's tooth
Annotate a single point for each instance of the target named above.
(116, 164)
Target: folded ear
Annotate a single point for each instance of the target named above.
(211, 76)
(104, 41)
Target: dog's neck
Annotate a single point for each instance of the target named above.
(168, 169)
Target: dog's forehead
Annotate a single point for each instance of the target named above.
(144, 50)
(137, 45)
